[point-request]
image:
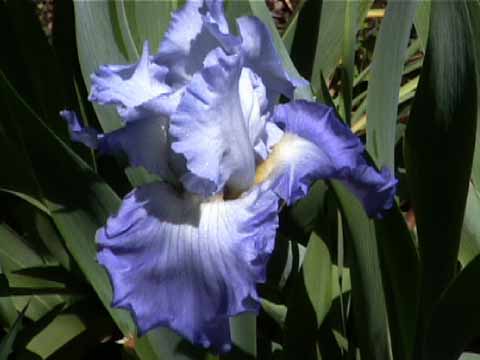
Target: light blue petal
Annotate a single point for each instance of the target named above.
(195, 30)
(272, 136)
(178, 261)
(264, 60)
(144, 142)
(160, 106)
(210, 131)
(262, 132)
(317, 145)
(128, 86)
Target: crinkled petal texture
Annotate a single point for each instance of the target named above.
(201, 26)
(209, 129)
(263, 58)
(317, 145)
(195, 30)
(263, 133)
(129, 86)
(177, 261)
(144, 142)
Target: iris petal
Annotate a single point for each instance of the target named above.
(87, 136)
(317, 145)
(195, 30)
(128, 86)
(191, 264)
(263, 133)
(144, 142)
(263, 58)
(209, 129)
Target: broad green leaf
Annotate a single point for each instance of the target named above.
(133, 52)
(310, 301)
(43, 280)
(99, 41)
(330, 38)
(75, 328)
(16, 255)
(8, 312)
(343, 280)
(439, 145)
(277, 312)
(470, 240)
(367, 291)
(52, 240)
(148, 20)
(400, 273)
(385, 76)
(307, 211)
(62, 329)
(316, 271)
(469, 356)
(6, 345)
(302, 48)
(243, 330)
(28, 198)
(347, 58)
(476, 158)
(34, 221)
(455, 318)
(422, 21)
(289, 34)
(474, 7)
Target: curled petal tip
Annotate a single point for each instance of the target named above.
(87, 136)
(317, 145)
(129, 86)
(263, 58)
(385, 193)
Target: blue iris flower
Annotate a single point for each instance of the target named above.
(202, 113)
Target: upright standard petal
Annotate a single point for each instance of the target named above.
(263, 59)
(129, 86)
(195, 30)
(263, 133)
(144, 142)
(317, 145)
(177, 261)
(210, 131)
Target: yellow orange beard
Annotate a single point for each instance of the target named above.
(280, 152)
(263, 171)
